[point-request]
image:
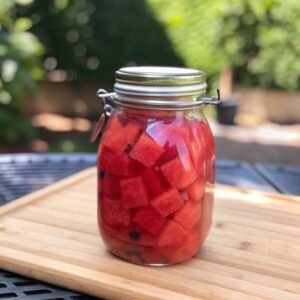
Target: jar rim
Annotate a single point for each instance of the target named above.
(157, 104)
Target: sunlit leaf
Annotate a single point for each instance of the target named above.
(22, 24)
(5, 7)
(61, 4)
(23, 2)
(9, 69)
(5, 97)
(3, 50)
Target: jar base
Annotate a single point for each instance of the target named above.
(140, 263)
(149, 264)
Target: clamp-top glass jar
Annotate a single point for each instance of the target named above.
(156, 165)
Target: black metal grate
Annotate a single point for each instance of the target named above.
(18, 287)
(241, 174)
(21, 174)
(285, 178)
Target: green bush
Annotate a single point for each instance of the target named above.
(191, 27)
(261, 40)
(19, 69)
(90, 39)
(258, 38)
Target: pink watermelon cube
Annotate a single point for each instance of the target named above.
(134, 192)
(189, 247)
(195, 190)
(160, 132)
(117, 137)
(179, 172)
(146, 151)
(209, 149)
(168, 134)
(207, 208)
(131, 132)
(167, 202)
(196, 150)
(154, 181)
(170, 153)
(112, 212)
(117, 164)
(188, 215)
(133, 234)
(172, 234)
(110, 186)
(149, 219)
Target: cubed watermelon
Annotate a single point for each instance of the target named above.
(110, 186)
(181, 130)
(159, 132)
(172, 234)
(132, 131)
(168, 133)
(189, 247)
(170, 153)
(209, 148)
(134, 192)
(112, 212)
(167, 202)
(132, 233)
(149, 219)
(122, 164)
(196, 148)
(207, 209)
(154, 181)
(146, 151)
(188, 215)
(195, 190)
(179, 172)
(116, 137)
(210, 170)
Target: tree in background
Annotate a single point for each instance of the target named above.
(191, 26)
(93, 38)
(261, 40)
(19, 69)
(90, 39)
(258, 38)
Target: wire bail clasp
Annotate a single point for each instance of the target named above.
(212, 100)
(106, 100)
(107, 111)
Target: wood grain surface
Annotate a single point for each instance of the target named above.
(253, 250)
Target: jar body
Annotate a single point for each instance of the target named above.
(156, 173)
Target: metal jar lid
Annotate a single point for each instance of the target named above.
(154, 87)
(160, 81)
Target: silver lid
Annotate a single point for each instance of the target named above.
(160, 81)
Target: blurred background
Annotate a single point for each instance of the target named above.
(55, 54)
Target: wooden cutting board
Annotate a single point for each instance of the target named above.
(253, 251)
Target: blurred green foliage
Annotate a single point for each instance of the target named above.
(90, 39)
(191, 26)
(19, 69)
(258, 38)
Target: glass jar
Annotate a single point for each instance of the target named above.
(156, 165)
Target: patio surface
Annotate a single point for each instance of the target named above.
(267, 142)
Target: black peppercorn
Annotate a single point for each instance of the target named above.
(135, 235)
